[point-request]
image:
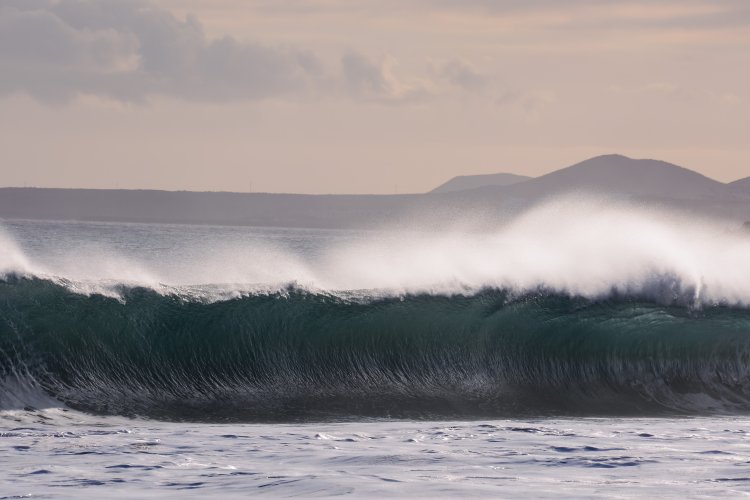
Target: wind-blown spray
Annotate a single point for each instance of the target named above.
(572, 308)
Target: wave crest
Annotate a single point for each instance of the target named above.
(578, 247)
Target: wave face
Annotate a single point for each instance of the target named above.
(296, 354)
(576, 307)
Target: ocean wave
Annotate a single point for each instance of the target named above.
(296, 354)
(576, 247)
(575, 307)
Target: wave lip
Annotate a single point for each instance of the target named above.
(583, 246)
(300, 354)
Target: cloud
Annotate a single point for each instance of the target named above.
(376, 81)
(131, 50)
(461, 74)
(606, 14)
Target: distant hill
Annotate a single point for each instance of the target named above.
(741, 185)
(186, 207)
(617, 174)
(646, 181)
(465, 182)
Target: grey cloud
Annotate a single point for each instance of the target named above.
(39, 37)
(461, 74)
(131, 50)
(728, 13)
(363, 76)
(376, 82)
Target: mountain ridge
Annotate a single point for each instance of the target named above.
(467, 182)
(615, 176)
(618, 174)
(741, 184)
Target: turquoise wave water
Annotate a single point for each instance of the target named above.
(296, 354)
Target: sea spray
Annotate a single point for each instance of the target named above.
(575, 247)
(574, 308)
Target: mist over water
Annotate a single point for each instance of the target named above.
(589, 248)
(576, 307)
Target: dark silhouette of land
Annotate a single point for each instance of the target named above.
(614, 176)
(464, 182)
(185, 207)
(741, 185)
(617, 174)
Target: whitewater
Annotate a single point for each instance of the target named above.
(580, 247)
(585, 347)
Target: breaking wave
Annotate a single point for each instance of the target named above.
(610, 313)
(296, 354)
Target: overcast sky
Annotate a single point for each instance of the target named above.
(364, 96)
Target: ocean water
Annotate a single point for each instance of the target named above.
(56, 454)
(581, 350)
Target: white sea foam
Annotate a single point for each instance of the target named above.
(12, 258)
(586, 247)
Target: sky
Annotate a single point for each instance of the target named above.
(364, 96)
